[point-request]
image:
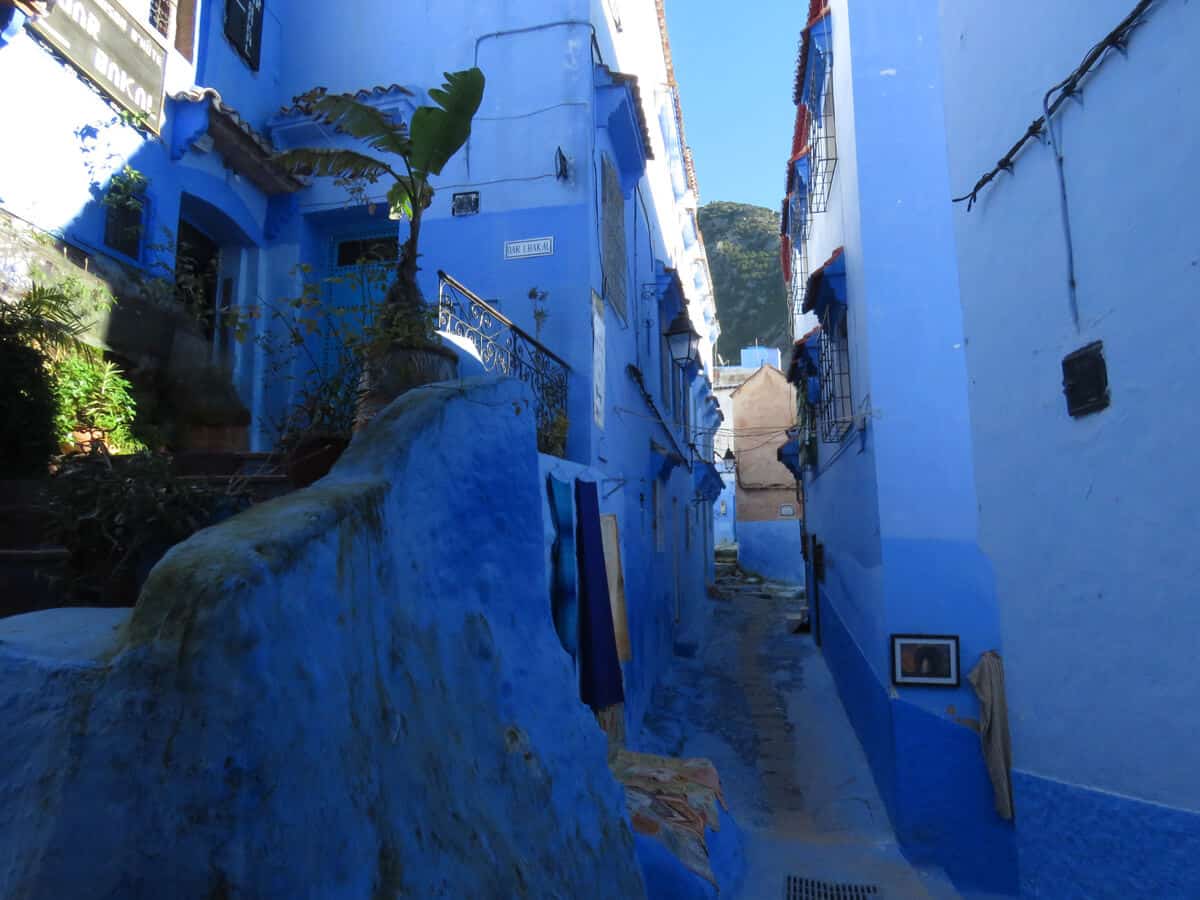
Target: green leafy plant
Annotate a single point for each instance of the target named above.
(552, 435)
(93, 401)
(411, 156)
(117, 516)
(27, 433)
(126, 189)
(42, 325)
(49, 317)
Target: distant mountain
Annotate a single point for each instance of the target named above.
(743, 255)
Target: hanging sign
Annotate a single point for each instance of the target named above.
(527, 247)
(111, 50)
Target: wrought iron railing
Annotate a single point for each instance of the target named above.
(507, 350)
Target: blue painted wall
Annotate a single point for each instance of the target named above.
(725, 514)
(754, 357)
(1090, 523)
(546, 92)
(771, 549)
(893, 502)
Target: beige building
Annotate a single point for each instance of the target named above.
(759, 407)
(764, 408)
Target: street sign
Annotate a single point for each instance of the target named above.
(527, 247)
(111, 50)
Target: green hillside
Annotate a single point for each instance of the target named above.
(743, 255)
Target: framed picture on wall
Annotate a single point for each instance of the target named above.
(925, 659)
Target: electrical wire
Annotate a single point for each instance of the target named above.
(1118, 40)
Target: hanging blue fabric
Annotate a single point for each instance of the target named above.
(600, 683)
(564, 598)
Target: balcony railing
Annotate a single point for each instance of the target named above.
(507, 350)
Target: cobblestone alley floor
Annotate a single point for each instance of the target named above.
(760, 702)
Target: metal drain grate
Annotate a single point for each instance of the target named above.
(798, 888)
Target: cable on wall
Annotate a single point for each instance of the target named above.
(1069, 87)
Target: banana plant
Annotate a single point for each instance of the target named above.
(406, 156)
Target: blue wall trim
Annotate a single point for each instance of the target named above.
(862, 695)
(929, 771)
(1075, 843)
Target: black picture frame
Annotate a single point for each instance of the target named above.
(932, 661)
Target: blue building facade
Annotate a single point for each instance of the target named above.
(1087, 503)
(891, 524)
(575, 188)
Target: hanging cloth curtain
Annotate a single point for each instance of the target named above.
(564, 600)
(600, 683)
(988, 680)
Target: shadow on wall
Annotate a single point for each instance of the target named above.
(336, 664)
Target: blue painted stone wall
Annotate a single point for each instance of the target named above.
(542, 62)
(771, 549)
(725, 523)
(317, 698)
(1089, 522)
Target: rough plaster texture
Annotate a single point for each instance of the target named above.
(1076, 844)
(353, 691)
(771, 549)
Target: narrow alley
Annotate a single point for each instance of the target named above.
(753, 694)
(599, 449)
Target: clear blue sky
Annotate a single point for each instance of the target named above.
(735, 63)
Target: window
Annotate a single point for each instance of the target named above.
(243, 27)
(160, 16)
(665, 367)
(615, 263)
(836, 406)
(368, 250)
(797, 287)
(125, 222)
(177, 14)
(1085, 380)
(822, 133)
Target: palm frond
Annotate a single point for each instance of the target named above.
(324, 162)
(438, 132)
(45, 317)
(361, 120)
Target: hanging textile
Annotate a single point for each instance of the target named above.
(564, 599)
(988, 680)
(600, 682)
(616, 586)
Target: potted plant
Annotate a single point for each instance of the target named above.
(319, 428)
(401, 350)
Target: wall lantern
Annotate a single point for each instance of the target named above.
(683, 340)
(728, 461)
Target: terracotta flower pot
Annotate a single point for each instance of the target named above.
(313, 457)
(398, 369)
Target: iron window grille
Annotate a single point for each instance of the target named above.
(836, 408)
(822, 131)
(243, 27)
(797, 288)
(160, 16)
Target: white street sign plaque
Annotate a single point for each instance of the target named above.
(523, 249)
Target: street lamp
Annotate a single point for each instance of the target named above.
(683, 340)
(728, 462)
